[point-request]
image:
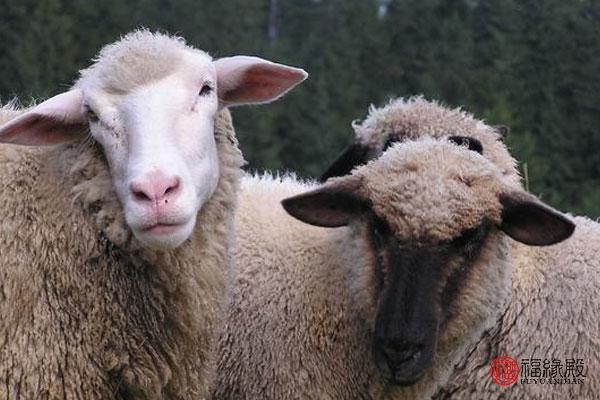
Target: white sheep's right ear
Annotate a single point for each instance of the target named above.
(330, 206)
(57, 120)
(252, 80)
(529, 221)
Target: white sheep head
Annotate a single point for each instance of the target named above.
(432, 215)
(151, 101)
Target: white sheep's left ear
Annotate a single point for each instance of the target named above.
(57, 120)
(252, 80)
(529, 221)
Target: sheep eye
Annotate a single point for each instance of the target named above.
(470, 143)
(466, 238)
(90, 115)
(206, 90)
(471, 238)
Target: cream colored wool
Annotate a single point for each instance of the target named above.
(8, 112)
(412, 118)
(85, 311)
(439, 194)
(139, 58)
(304, 301)
(553, 314)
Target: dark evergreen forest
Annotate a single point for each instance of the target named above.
(530, 64)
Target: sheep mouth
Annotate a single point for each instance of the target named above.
(162, 229)
(405, 370)
(164, 235)
(398, 378)
(403, 375)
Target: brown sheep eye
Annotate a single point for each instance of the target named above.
(206, 89)
(90, 115)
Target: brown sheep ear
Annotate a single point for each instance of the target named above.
(353, 156)
(502, 130)
(529, 221)
(330, 206)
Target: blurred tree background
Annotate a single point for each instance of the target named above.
(533, 65)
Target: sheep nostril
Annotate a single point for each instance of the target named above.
(140, 195)
(156, 188)
(173, 188)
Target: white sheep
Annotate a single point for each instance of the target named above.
(421, 271)
(115, 243)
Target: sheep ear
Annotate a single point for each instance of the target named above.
(330, 206)
(57, 120)
(502, 130)
(354, 155)
(252, 80)
(529, 221)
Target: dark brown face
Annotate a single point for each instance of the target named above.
(416, 288)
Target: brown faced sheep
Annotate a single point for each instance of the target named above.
(421, 270)
(115, 243)
(539, 273)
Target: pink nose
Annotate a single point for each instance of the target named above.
(155, 187)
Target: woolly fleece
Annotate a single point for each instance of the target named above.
(553, 314)
(303, 305)
(407, 119)
(85, 312)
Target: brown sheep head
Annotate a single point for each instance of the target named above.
(435, 214)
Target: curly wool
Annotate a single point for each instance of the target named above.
(9, 111)
(407, 119)
(304, 298)
(552, 315)
(460, 191)
(137, 59)
(84, 311)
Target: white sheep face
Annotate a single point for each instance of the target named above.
(159, 143)
(151, 101)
